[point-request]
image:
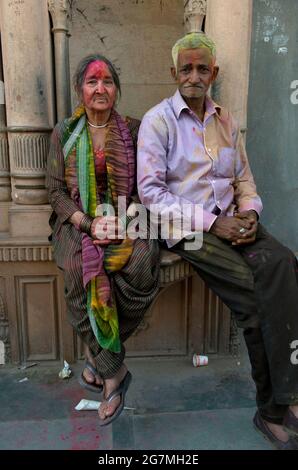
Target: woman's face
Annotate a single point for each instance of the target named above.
(99, 91)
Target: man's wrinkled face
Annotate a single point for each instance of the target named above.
(195, 72)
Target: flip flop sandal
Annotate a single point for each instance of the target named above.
(262, 428)
(120, 391)
(92, 387)
(290, 424)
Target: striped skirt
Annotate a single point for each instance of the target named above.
(134, 288)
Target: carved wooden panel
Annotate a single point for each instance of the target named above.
(209, 327)
(197, 295)
(36, 311)
(185, 318)
(217, 324)
(79, 348)
(4, 328)
(38, 319)
(211, 322)
(164, 330)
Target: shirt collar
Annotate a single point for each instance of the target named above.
(179, 105)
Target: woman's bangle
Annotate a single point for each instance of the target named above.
(85, 224)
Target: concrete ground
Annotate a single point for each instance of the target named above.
(175, 407)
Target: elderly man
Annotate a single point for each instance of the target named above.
(191, 152)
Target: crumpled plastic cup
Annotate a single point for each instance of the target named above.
(65, 372)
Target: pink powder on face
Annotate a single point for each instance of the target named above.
(97, 69)
(98, 80)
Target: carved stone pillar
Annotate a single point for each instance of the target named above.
(27, 64)
(5, 189)
(59, 10)
(229, 24)
(194, 14)
(5, 186)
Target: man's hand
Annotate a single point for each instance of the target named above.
(240, 229)
(250, 235)
(106, 230)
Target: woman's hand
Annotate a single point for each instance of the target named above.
(107, 230)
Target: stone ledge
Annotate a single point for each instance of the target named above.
(22, 249)
(173, 268)
(25, 253)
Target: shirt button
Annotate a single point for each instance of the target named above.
(217, 202)
(209, 150)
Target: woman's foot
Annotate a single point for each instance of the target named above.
(87, 374)
(110, 385)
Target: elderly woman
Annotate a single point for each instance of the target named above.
(109, 282)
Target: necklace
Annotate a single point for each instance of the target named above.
(97, 127)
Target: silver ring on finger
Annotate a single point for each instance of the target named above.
(242, 230)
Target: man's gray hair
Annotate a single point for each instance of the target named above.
(193, 41)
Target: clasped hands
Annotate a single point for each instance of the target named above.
(240, 229)
(106, 230)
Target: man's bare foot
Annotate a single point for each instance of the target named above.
(294, 410)
(278, 431)
(88, 376)
(110, 385)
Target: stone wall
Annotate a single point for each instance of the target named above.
(37, 49)
(137, 36)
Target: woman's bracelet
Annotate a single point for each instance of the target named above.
(85, 224)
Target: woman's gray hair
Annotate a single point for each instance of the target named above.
(79, 75)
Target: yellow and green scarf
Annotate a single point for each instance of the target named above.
(98, 262)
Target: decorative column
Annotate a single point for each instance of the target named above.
(59, 10)
(194, 14)
(5, 187)
(29, 96)
(228, 23)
